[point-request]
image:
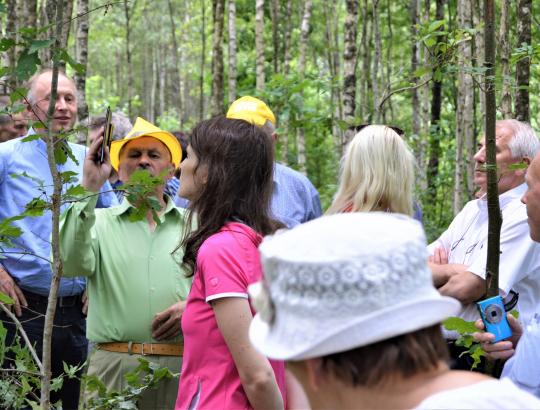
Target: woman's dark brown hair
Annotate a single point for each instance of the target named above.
(401, 356)
(239, 159)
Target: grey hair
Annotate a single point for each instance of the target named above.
(524, 143)
(122, 124)
(268, 128)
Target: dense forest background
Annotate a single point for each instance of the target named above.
(320, 65)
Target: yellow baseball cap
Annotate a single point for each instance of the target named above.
(252, 110)
(143, 128)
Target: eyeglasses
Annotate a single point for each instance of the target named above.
(358, 128)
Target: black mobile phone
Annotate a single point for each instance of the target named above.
(107, 135)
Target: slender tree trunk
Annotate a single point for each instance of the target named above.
(162, 64)
(153, 88)
(56, 203)
(286, 68)
(523, 66)
(436, 101)
(366, 61)
(304, 31)
(494, 212)
(128, 57)
(217, 58)
(274, 15)
(377, 60)
(259, 43)
(82, 56)
(68, 11)
(349, 60)
(232, 51)
(30, 13)
(11, 30)
(388, 47)
(465, 109)
(414, 66)
(203, 61)
(332, 54)
(177, 79)
(478, 19)
(506, 92)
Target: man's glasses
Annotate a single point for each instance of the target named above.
(358, 128)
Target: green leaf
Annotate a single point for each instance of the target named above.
(6, 44)
(436, 25)
(76, 190)
(32, 137)
(64, 55)
(514, 313)
(519, 165)
(69, 177)
(27, 64)
(459, 325)
(39, 44)
(6, 299)
(36, 207)
(3, 8)
(56, 383)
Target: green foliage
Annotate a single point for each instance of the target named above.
(146, 376)
(466, 340)
(139, 191)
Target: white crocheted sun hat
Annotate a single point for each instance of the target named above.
(341, 282)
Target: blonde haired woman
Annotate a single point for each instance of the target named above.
(377, 173)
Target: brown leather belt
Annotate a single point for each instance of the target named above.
(145, 349)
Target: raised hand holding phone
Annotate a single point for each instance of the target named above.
(107, 135)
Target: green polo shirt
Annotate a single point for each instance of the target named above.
(132, 273)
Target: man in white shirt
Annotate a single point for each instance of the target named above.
(522, 368)
(459, 256)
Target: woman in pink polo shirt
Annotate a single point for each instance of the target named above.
(227, 177)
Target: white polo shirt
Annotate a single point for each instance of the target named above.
(465, 241)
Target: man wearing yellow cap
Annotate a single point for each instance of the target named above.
(295, 200)
(136, 286)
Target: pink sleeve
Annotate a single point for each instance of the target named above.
(222, 266)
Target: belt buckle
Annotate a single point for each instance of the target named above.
(151, 349)
(63, 301)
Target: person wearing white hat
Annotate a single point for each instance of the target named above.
(136, 285)
(349, 302)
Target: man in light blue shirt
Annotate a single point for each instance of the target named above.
(295, 200)
(25, 271)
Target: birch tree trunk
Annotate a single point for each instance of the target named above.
(465, 109)
(203, 61)
(506, 92)
(11, 29)
(523, 66)
(349, 60)
(128, 57)
(304, 31)
(274, 15)
(177, 79)
(232, 51)
(436, 102)
(259, 43)
(217, 58)
(376, 61)
(162, 58)
(30, 13)
(82, 56)
(366, 62)
(332, 54)
(478, 19)
(287, 38)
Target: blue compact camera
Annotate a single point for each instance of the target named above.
(494, 317)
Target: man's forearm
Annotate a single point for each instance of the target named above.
(465, 287)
